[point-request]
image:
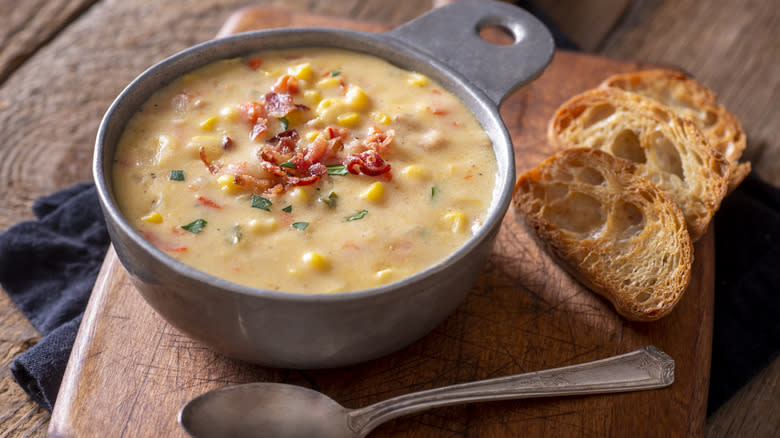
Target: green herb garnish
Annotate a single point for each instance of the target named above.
(331, 200)
(177, 175)
(288, 164)
(335, 72)
(300, 225)
(285, 123)
(337, 169)
(287, 209)
(359, 215)
(261, 203)
(434, 191)
(195, 226)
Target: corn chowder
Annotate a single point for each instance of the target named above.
(314, 171)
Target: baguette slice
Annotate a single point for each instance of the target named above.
(612, 229)
(669, 150)
(692, 100)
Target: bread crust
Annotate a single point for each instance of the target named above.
(611, 228)
(692, 100)
(667, 149)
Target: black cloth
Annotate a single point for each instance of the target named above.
(48, 267)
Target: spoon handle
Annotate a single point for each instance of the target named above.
(645, 368)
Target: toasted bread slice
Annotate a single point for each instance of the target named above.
(668, 150)
(611, 228)
(692, 100)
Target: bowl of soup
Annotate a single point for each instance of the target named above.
(314, 198)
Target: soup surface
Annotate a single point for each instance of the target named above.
(306, 170)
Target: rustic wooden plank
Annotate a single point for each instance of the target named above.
(587, 23)
(26, 26)
(732, 47)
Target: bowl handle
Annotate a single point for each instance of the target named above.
(450, 34)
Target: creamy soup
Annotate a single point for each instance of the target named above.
(314, 171)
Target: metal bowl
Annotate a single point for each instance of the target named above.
(319, 331)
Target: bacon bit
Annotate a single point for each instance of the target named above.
(253, 183)
(379, 140)
(213, 168)
(280, 147)
(279, 104)
(349, 245)
(343, 87)
(367, 162)
(251, 112)
(258, 129)
(439, 111)
(436, 91)
(254, 63)
(286, 84)
(455, 123)
(155, 240)
(208, 202)
(227, 143)
(336, 132)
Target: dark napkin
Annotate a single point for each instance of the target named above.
(48, 267)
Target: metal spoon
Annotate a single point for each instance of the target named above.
(284, 411)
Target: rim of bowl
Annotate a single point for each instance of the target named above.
(379, 45)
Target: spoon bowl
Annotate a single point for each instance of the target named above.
(289, 411)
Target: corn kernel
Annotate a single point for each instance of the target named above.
(312, 135)
(348, 119)
(456, 220)
(330, 108)
(209, 123)
(227, 184)
(380, 118)
(313, 97)
(417, 79)
(385, 275)
(375, 192)
(315, 260)
(153, 218)
(229, 113)
(414, 171)
(356, 97)
(328, 82)
(299, 195)
(264, 225)
(294, 118)
(302, 71)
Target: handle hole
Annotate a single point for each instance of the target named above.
(496, 34)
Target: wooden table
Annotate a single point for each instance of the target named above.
(63, 61)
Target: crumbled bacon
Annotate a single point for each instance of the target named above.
(280, 147)
(379, 140)
(258, 129)
(208, 202)
(227, 142)
(279, 104)
(367, 162)
(251, 112)
(286, 84)
(210, 165)
(254, 63)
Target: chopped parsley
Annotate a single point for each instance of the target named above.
(261, 203)
(288, 164)
(285, 123)
(195, 226)
(177, 175)
(434, 191)
(359, 215)
(331, 200)
(335, 73)
(300, 225)
(337, 169)
(287, 209)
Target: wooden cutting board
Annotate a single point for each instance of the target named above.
(130, 372)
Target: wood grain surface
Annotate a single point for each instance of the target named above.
(525, 314)
(63, 61)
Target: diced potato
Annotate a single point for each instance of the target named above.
(315, 260)
(348, 119)
(227, 183)
(375, 192)
(312, 97)
(263, 225)
(328, 82)
(210, 143)
(356, 98)
(153, 218)
(380, 118)
(417, 79)
(455, 220)
(414, 171)
(302, 71)
(209, 123)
